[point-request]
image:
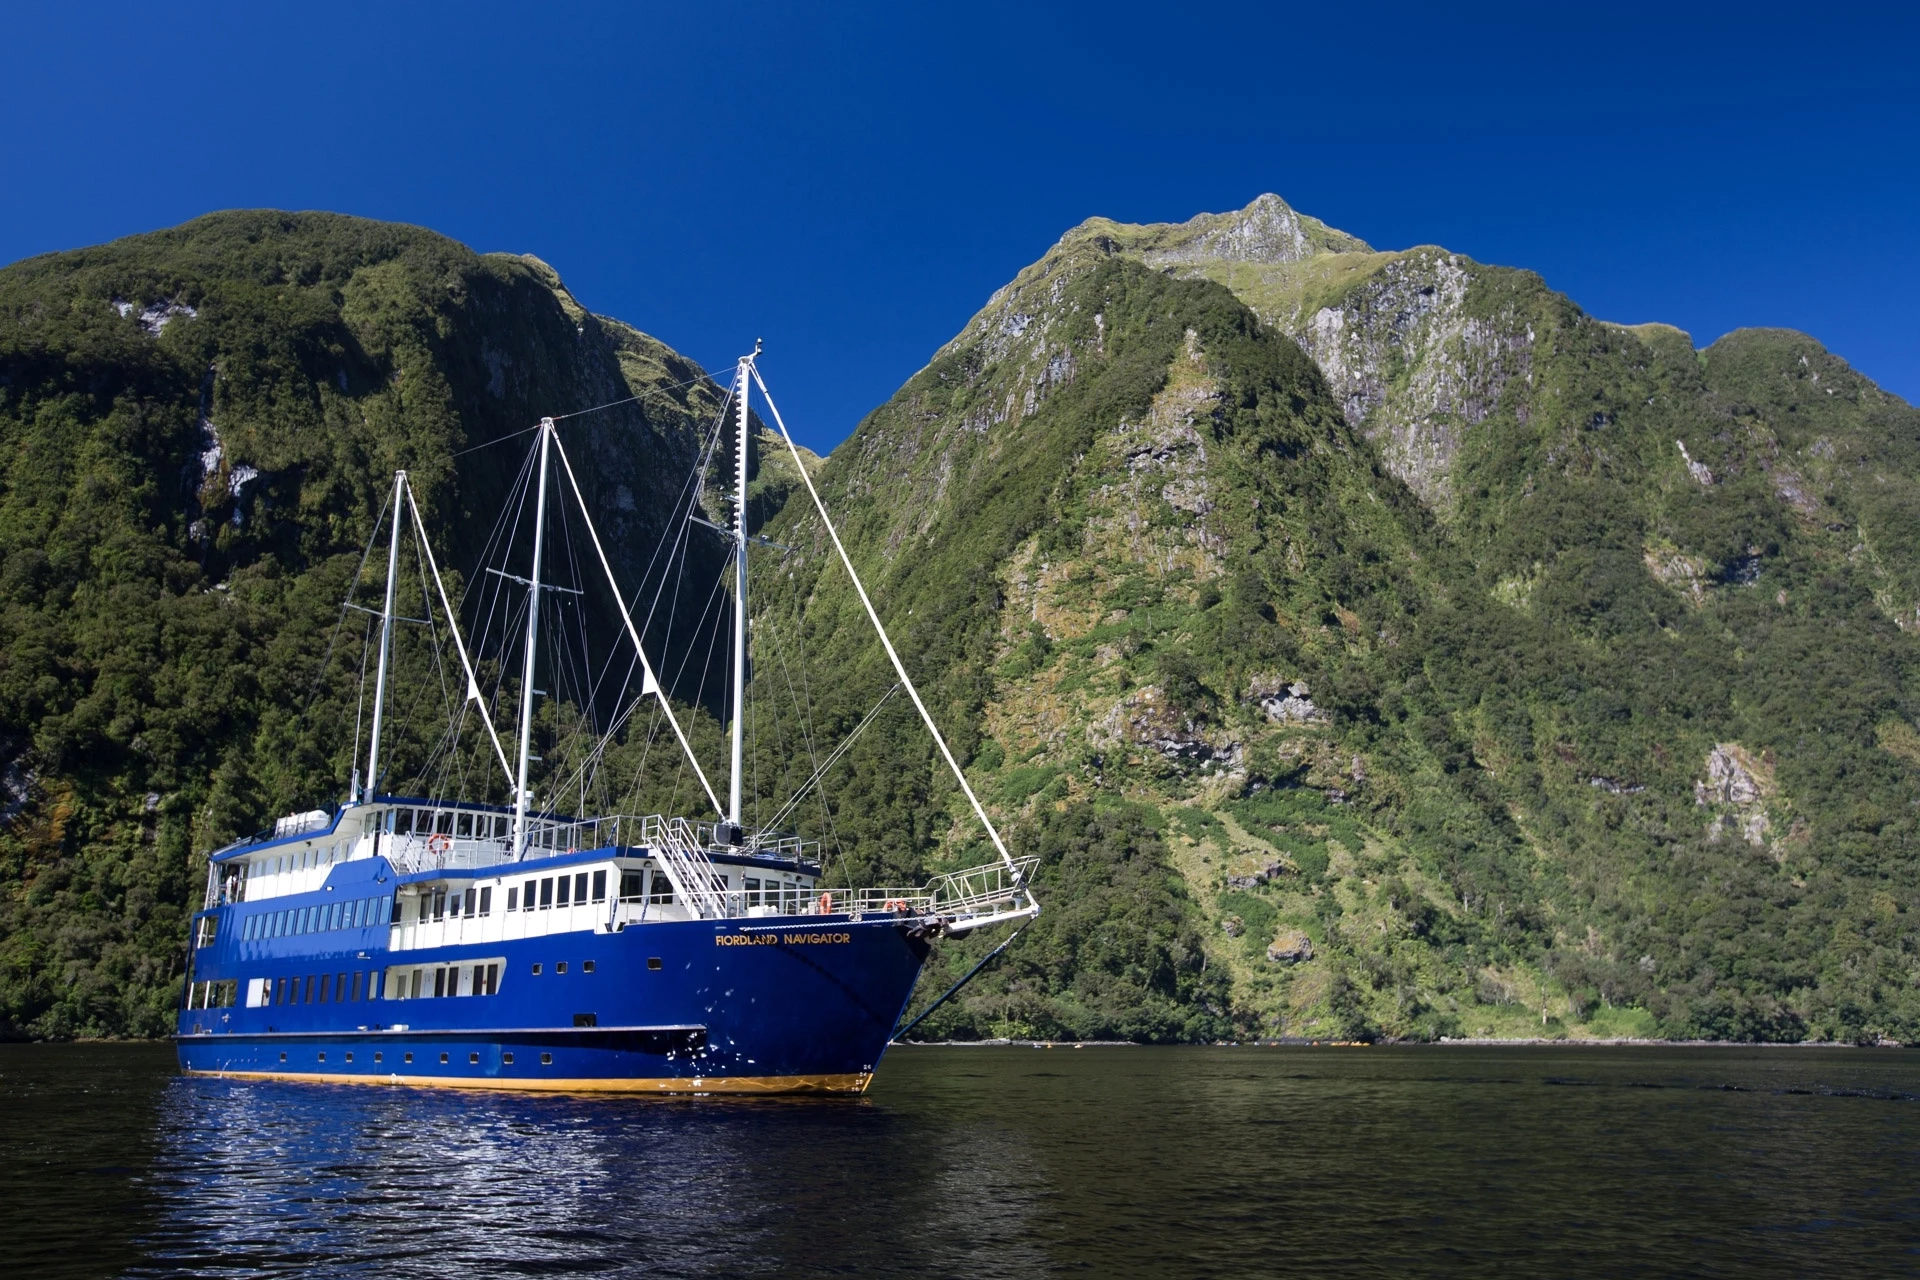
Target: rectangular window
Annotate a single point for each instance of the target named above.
(546, 892)
(356, 913)
(403, 823)
(279, 991)
(561, 967)
(306, 919)
(662, 890)
(472, 902)
(439, 904)
(463, 826)
(599, 886)
(373, 989)
(486, 900)
(493, 979)
(753, 892)
(393, 917)
(358, 979)
(246, 930)
(443, 823)
(333, 917)
(326, 984)
(439, 983)
(630, 882)
(340, 987)
(580, 888)
(566, 887)
(309, 991)
(513, 898)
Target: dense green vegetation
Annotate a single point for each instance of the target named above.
(197, 430)
(1504, 673)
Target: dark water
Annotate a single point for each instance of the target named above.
(989, 1162)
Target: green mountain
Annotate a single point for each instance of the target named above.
(1368, 643)
(1376, 644)
(199, 427)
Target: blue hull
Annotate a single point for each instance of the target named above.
(741, 1005)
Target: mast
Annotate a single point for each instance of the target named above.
(521, 796)
(386, 641)
(740, 598)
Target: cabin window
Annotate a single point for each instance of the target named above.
(309, 993)
(279, 991)
(340, 987)
(580, 887)
(493, 980)
(409, 1058)
(463, 826)
(395, 916)
(753, 891)
(379, 1058)
(326, 982)
(599, 886)
(439, 983)
(536, 968)
(546, 1059)
(358, 981)
(373, 987)
(586, 966)
(472, 902)
(546, 892)
(507, 1058)
(349, 1056)
(653, 963)
(561, 967)
(403, 823)
(513, 898)
(322, 1057)
(662, 895)
(486, 900)
(473, 1059)
(566, 884)
(630, 885)
(443, 823)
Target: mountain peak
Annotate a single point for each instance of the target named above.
(1267, 231)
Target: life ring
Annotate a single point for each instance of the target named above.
(826, 904)
(439, 843)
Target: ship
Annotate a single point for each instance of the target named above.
(442, 940)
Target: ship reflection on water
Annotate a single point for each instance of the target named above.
(1471, 1161)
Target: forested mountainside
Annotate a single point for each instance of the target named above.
(1370, 644)
(198, 429)
(1375, 644)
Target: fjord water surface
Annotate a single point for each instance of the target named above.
(1445, 1160)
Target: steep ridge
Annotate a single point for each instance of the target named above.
(199, 427)
(1493, 671)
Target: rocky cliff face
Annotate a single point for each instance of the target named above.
(1500, 680)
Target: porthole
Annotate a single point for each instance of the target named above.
(379, 1058)
(561, 967)
(546, 1059)
(474, 1059)
(443, 1057)
(283, 1057)
(349, 1057)
(409, 1057)
(507, 1058)
(586, 966)
(323, 1057)
(536, 970)
(653, 962)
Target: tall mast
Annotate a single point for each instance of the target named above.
(386, 641)
(521, 795)
(740, 595)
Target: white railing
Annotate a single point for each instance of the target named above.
(681, 856)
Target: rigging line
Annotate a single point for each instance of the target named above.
(988, 959)
(626, 616)
(366, 551)
(453, 625)
(886, 643)
(577, 413)
(834, 757)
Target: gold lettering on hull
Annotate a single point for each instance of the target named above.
(778, 939)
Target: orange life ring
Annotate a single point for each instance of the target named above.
(826, 904)
(439, 843)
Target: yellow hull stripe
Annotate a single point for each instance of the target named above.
(849, 1082)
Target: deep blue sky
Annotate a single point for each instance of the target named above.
(851, 182)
